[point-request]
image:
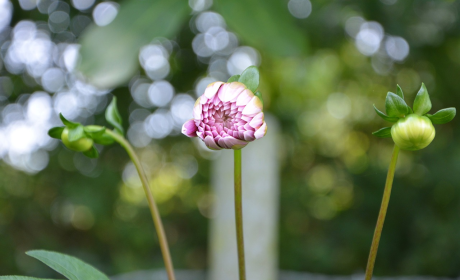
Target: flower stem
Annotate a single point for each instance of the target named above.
(152, 205)
(382, 214)
(239, 215)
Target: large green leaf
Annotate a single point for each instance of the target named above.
(113, 116)
(383, 132)
(70, 267)
(422, 102)
(109, 53)
(21, 278)
(264, 24)
(396, 106)
(443, 116)
(250, 77)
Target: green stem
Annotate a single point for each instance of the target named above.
(152, 205)
(382, 214)
(239, 215)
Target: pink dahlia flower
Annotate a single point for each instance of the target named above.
(227, 116)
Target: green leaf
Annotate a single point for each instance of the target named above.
(76, 133)
(395, 106)
(92, 153)
(422, 102)
(442, 116)
(264, 24)
(104, 139)
(113, 116)
(70, 267)
(21, 278)
(56, 132)
(233, 78)
(250, 77)
(399, 91)
(383, 132)
(94, 130)
(385, 117)
(68, 123)
(109, 54)
(259, 94)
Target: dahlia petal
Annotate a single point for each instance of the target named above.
(253, 107)
(244, 97)
(210, 143)
(261, 131)
(257, 121)
(200, 134)
(230, 91)
(249, 135)
(197, 110)
(189, 128)
(230, 142)
(212, 89)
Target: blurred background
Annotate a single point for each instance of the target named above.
(323, 64)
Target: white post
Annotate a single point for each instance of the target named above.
(260, 210)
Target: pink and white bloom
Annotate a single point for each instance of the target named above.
(227, 116)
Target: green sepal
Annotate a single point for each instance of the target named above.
(76, 133)
(385, 117)
(233, 78)
(113, 116)
(56, 132)
(104, 139)
(97, 133)
(399, 91)
(443, 116)
(383, 132)
(68, 123)
(259, 94)
(422, 102)
(395, 106)
(250, 77)
(92, 153)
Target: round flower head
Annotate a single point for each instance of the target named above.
(227, 116)
(413, 132)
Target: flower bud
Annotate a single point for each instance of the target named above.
(413, 132)
(80, 145)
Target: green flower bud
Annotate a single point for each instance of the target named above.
(413, 132)
(80, 145)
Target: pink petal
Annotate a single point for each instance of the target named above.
(257, 121)
(230, 142)
(212, 89)
(244, 97)
(189, 128)
(249, 135)
(253, 107)
(230, 91)
(261, 131)
(197, 110)
(210, 143)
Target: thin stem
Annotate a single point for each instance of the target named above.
(382, 214)
(239, 215)
(152, 205)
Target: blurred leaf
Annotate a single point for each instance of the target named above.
(385, 117)
(76, 133)
(113, 116)
(395, 105)
(104, 139)
(422, 102)
(264, 24)
(56, 132)
(21, 278)
(109, 54)
(442, 116)
(399, 91)
(383, 132)
(233, 78)
(92, 153)
(68, 123)
(259, 94)
(94, 131)
(250, 77)
(70, 267)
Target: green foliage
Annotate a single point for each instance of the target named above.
(76, 133)
(395, 106)
(70, 267)
(92, 153)
(68, 123)
(233, 78)
(442, 116)
(113, 116)
(399, 91)
(21, 278)
(264, 24)
(383, 132)
(109, 53)
(385, 117)
(250, 77)
(422, 102)
(56, 132)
